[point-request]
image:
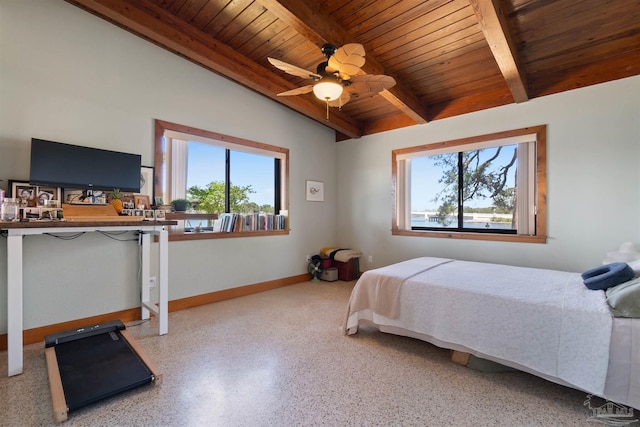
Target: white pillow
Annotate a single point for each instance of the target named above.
(635, 266)
(624, 299)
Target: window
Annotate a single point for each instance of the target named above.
(490, 187)
(233, 178)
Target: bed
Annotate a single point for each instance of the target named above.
(544, 322)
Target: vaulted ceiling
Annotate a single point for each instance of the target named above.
(448, 57)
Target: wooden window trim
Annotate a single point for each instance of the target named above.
(541, 185)
(161, 126)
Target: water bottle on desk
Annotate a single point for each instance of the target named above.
(9, 210)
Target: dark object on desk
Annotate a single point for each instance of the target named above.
(72, 166)
(93, 363)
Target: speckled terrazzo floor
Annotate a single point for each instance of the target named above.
(278, 358)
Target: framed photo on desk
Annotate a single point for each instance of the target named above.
(49, 197)
(24, 192)
(141, 200)
(34, 195)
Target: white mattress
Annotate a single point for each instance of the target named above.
(544, 322)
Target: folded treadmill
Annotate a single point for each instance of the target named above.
(89, 364)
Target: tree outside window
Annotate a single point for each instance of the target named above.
(489, 187)
(222, 175)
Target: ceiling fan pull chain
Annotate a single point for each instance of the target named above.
(327, 101)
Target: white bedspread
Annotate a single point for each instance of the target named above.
(545, 321)
(381, 288)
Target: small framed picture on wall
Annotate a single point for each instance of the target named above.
(146, 181)
(314, 191)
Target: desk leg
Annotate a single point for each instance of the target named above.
(163, 282)
(145, 270)
(14, 304)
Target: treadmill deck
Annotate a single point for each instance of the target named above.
(89, 364)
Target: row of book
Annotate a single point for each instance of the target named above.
(233, 222)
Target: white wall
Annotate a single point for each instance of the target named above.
(593, 177)
(68, 76)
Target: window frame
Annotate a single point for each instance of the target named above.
(397, 174)
(161, 127)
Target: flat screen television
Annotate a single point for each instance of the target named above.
(73, 166)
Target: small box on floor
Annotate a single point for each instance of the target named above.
(349, 270)
(326, 262)
(329, 274)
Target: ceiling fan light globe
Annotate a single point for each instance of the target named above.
(327, 91)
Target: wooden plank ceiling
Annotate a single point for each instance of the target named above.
(448, 57)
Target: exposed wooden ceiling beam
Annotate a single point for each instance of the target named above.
(151, 22)
(310, 20)
(496, 30)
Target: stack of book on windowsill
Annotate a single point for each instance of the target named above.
(234, 222)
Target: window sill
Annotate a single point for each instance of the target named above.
(177, 216)
(471, 236)
(206, 235)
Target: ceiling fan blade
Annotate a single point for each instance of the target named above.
(298, 91)
(344, 98)
(347, 60)
(293, 70)
(371, 83)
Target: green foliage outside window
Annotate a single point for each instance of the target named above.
(211, 199)
(481, 180)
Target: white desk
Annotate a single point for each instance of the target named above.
(15, 232)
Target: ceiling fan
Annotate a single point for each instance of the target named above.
(339, 78)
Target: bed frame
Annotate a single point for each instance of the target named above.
(544, 322)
